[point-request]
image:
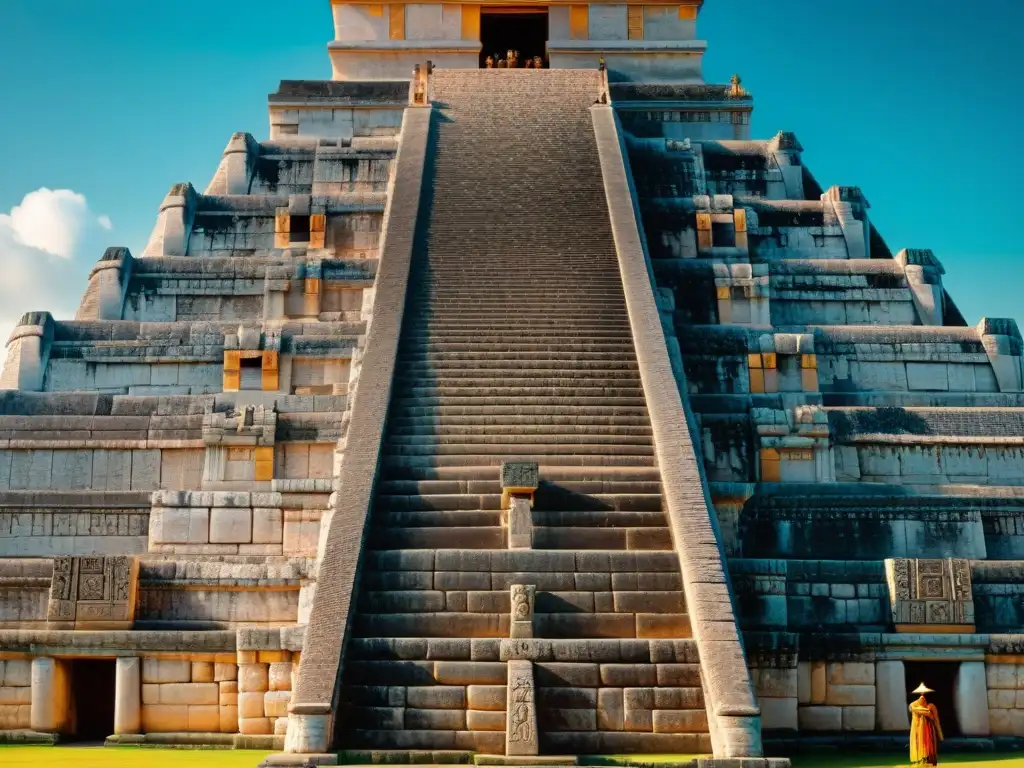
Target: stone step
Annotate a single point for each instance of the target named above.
(498, 379)
(516, 314)
(523, 425)
(631, 539)
(513, 331)
(514, 391)
(522, 367)
(510, 448)
(513, 358)
(548, 473)
(607, 403)
(545, 435)
(492, 485)
(533, 563)
(555, 500)
(623, 347)
(527, 413)
(496, 428)
(489, 516)
(458, 624)
(499, 601)
(401, 464)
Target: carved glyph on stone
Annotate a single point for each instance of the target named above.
(930, 595)
(93, 593)
(521, 730)
(523, 597)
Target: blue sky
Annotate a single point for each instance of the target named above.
(918, 102)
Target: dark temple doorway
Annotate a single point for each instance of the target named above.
(92, 699)
(519, 29)
(940, 676)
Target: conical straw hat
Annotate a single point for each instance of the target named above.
(922, 689)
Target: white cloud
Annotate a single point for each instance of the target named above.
(45, 252)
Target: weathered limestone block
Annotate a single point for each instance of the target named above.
(171, 235)
(779, 714)
(127, 695)
(51, 695)
(521, 736)
(816, 718)
(520, 523)
(164, 718)
(859, 718)
(478, 720)
(523, 597)
(15, 696)
(228, 693)
(179, 525)
(17, 673)
(436, 697)
(228, 718)
(156, 670)
(275, 703)
(850, 695)
(488, 698)
(254, 726)
(28, 353)
(1002, 342)
(891, 696)
(230, 525)
(971, 699)
(610, 709)
(307, 733)
(280, 676)
(202, 672)
(204, 718)
(253, 678)
(223, 672)
(93, 593)
(191, 694)
(924, 278)
(251, 704)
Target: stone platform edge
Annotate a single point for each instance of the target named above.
(734, 716)
(310, 723)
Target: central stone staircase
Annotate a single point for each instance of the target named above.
(516, 346)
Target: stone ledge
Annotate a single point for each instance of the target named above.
(119, 642)
(29, 737)
(736, 729)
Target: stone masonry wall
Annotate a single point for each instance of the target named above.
(248, 695)
(1005, 698)
(15, 694)
(836, 696)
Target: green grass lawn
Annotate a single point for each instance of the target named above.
(15, 756)
(156, 757)
(886, 760)
(833, 760)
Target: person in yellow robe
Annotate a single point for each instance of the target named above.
(925, 730)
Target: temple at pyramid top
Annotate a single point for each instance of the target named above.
(649, 42)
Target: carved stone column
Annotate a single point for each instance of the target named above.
(519, 482)
(51, 696)
(970, 699)
(521, 720)
(891, 713)
(523, 597)
(128, 695)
